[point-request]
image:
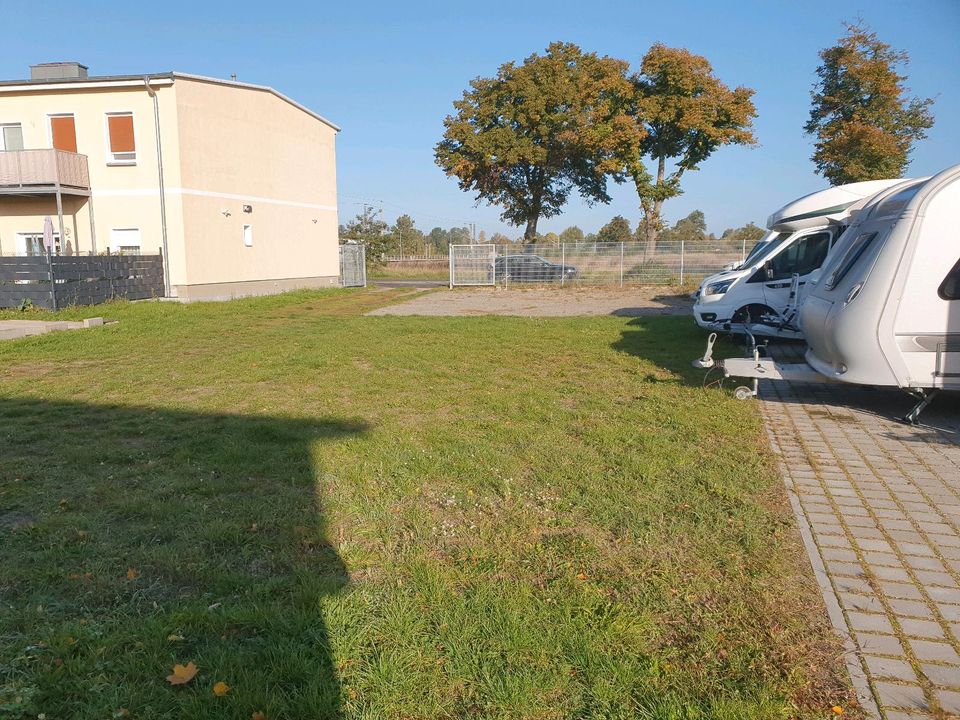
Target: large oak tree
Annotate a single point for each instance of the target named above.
(686, 113)
(864, 122)
(525, 139)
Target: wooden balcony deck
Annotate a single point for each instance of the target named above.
(42, 172)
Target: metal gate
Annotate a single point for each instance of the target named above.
(353, 265)
(472, 265)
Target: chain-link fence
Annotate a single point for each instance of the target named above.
(590, 263)
(353, 265)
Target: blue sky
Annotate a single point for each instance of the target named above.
(387, 73)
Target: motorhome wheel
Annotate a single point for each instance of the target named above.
(743, 393)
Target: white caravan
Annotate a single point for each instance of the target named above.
(758, 294)
(886, 308)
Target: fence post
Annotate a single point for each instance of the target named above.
(621, 263)
(563, 261)
(681, 260)
(743, 250)
(53, 282)
(450, 262)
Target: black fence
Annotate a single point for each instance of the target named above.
(58, 281)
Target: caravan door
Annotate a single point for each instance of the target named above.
(801, 257)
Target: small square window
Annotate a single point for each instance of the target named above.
(248, 235)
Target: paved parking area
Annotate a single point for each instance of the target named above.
(879, 507)
(546, 302)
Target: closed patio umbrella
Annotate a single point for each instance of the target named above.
(48, 234)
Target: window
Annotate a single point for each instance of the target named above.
(125, 241)
(950, 287)
(801, 257)
(122, 145)
(31, 244)
(11, 137)
(850, 257)
(63, 133)
(248, 235)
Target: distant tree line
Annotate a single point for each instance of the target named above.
(403, 237)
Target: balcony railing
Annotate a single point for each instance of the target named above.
(41, 170)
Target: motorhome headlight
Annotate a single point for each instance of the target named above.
(718, 288)
(854, 291)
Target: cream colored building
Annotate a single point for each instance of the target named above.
(234, 183)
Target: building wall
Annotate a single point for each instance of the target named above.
(224, 146)
(242, 146)
(123, 196)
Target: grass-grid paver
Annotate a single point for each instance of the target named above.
(881, 501)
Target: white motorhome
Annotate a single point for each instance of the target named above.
(886, 308)
(757, 295)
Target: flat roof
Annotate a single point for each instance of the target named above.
(9, 85)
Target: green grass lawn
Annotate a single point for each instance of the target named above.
(392, 517)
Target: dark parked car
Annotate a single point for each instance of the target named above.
(532, 268)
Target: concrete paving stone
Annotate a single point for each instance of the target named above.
(856, 521)
(921, 628)
(914, 548)
(869, 622)
(910, 608)
(883, 668)
(932, 577)
(950, 612)
(888, 513)
(856, 511)
(836, 541)
(943, 594)
(907, 591)
(915, 506)
(823, 520)
(939, 652)
(840, 554)
(889, 573)
(907, 536)
(932, 528)
(876, 502)
(889, 524)
(943, 539)
(845, 568)
(863, 533)
(877, 545)
(899, 715)
(947, 676)
(900, 696)
(949, 700)
(873, 644)
(863, 603)
(875, 558)
(920, 562)
(852, 585)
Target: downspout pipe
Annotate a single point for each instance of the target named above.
(163, 196)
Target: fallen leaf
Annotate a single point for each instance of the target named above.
(837, 710)
(581, 576)
(258, 716)
(182, 674)
(132, 574)
(174, 638)
(220, 689)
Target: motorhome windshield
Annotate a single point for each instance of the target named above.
(759, 254)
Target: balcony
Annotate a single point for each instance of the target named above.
(42, 172)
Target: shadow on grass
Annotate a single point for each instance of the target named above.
(135, 538)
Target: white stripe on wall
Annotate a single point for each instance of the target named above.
(148, 192)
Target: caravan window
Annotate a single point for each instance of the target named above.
(801, 258)
(850, 257)
(950, 287)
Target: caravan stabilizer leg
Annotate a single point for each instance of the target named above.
(924, 398)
